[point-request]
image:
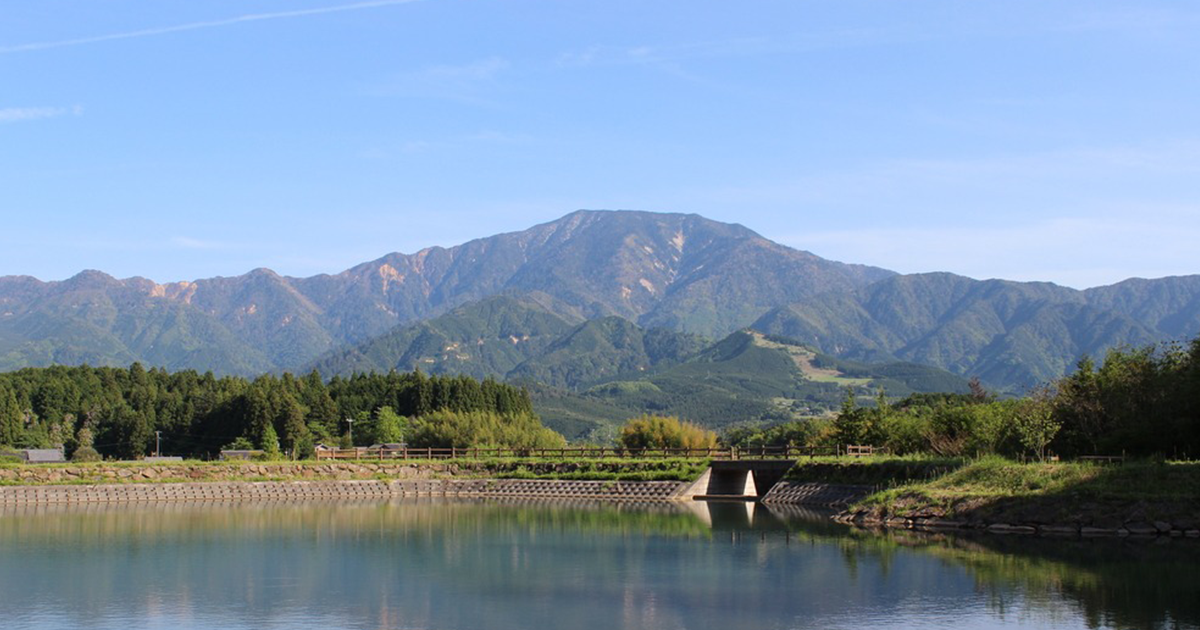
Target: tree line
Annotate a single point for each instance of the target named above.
(1138, 402)
(1141, 401)
(116, 412)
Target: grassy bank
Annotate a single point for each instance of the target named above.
(995, 490)
(615, 469)
(884, 471)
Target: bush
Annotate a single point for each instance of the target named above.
(240, 444)
(449, 429)
(905, 433)
(796, 433)
(649, 431)
(86, 454)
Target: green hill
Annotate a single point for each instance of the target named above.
(490, 337)
(514, 337)
(1012, 335)
(747, 376)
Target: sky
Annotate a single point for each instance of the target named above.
(1018, 139)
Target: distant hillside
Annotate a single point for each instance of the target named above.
(745, 377)
(676, 271)
(490, 337)
(1012, 335)
(97, 320)
(515, 338)
(588, 377)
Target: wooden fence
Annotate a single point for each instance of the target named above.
(577, 452)
(855, 450)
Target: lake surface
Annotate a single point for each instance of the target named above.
(477, 565)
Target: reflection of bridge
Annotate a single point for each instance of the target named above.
(741, 516)
(738, 480)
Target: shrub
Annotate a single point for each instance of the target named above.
(240, 444)
(649, 431)
(449, 429)
(85, 454)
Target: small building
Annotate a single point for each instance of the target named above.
(243, 455)
(42, 455)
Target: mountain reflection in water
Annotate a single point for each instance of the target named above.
(488, 564)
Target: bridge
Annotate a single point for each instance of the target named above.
(734, 474)
(738, 480)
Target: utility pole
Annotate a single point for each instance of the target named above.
(158, 443)
(350, 421)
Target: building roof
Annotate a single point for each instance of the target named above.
(43, 455)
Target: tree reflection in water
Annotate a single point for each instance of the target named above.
(462, 564)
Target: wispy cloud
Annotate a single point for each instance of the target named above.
(677, 59)
(481, 138)
(24, 114)
(187, 242)
(482, 70)
(195, 26)
(1150, 21)
(1004, 183)
(1080, 251)
(461, 82)
(658, 55)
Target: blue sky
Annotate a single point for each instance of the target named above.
(1020, 139)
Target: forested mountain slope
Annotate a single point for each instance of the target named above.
(679, 271)
(1013, 335)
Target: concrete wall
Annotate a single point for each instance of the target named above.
(102, 483)
(813, 493)
(293, 490)
(107, 473)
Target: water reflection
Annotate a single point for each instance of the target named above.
(487, 564)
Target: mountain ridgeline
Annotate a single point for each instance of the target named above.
(677, 271)
(603, 313)
(1012, 335)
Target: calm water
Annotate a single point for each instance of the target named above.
(450, 565)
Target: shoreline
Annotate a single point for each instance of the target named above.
(1130, 529)
(1143, 499)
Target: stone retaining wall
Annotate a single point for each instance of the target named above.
(814, 493)
(543, 488)
(107, 473)
(292, 490)
(104, 483)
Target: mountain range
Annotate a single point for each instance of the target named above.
(1012, 335)
(677, 271)
(585, 375)
(598, 308)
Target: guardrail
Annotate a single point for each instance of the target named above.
(578, 452)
